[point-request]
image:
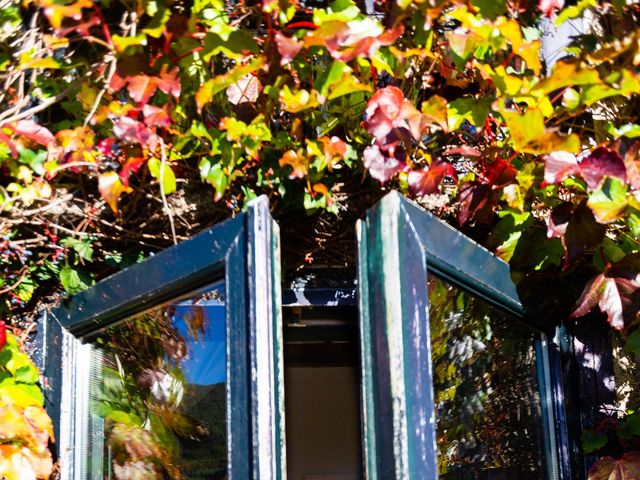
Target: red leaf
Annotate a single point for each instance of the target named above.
(615, 291)
(345, 42)
(169, 82)
(427, 180)
(156, 116)
(3, 334)
(384, 164)
(558, 166)
(388, 111)
(558, 220)
(608, 468)
(132, 131)
(549, 6)
(476, 203)
(287, 47)
(33, 131)
(602, 162)
(141, 88)
(500, 173)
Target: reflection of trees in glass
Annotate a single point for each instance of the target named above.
(486, 391)
(156, 424)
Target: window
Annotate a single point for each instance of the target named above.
(178, 364)
(456, 377)
(173, 367)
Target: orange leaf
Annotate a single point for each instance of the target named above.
(297, 162)
(111, 187)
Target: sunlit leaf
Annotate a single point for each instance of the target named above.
(529, 135)
(111, 187)
(609, 202)
(164, 174)
(217, 84)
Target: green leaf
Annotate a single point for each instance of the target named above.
(75, 280)
(164, 175)
(81, 246)
(21, 394)
(473, 110)
(630, 427)
(629, 130)
(632, 344)
(574, 11)
(609, 202)
(592, 441)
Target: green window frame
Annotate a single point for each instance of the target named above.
(243, 253)
(399, 245)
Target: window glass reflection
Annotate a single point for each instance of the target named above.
(488, 406)
(158, 394)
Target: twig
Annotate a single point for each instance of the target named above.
(107, 82)
(38, 108)
(167, 210)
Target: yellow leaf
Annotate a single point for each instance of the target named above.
(529, 135)
(435, 110)
(298, 100)
(111, 187)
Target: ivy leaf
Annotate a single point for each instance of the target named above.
(388, 111)
(529, 135)
(217, 84)
(582, 233)
(558, 166)
(608, 468)
(473, 110)
(111, 187)
(298, 163)
(615, 292)
(602, 162)
(384, 164)
(630, 427)
(164, 174)
(435, 111)
(477, 202)
(75, 279)
(592, 440)
(609, 202)
(632, 345)
(287, 47)
(246, 89)
(298, 100)
(428, 180)
(31, 130)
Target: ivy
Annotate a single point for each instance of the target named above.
(114, 118)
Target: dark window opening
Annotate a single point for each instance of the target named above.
(322, 393)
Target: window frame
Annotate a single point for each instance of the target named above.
(399, 244)
(244, 251)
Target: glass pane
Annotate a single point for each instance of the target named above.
(488, 406)
(157, 389)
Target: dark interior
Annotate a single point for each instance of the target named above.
(322, 393)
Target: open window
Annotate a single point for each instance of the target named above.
(174, 365)
(456, 375)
